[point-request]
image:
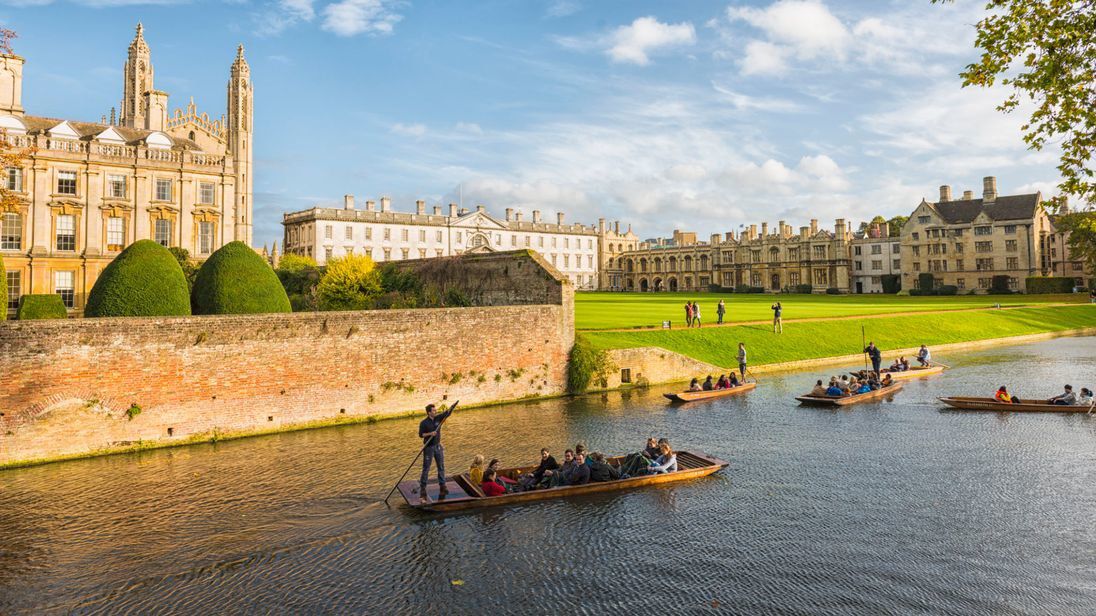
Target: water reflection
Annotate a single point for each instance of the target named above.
(889, 507)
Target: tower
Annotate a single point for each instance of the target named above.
(239, 141)
(137, 79)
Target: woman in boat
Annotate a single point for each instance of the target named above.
(708, 385)
(819, 389)
(732, 381)
(865, 387)
(722, 382)
(1085, 399)
(503, 481)
(694, 385)
(475, 472)
(667, 460)
(490, 485)
(887, 381)
(1002, 395)
(905, 363)
(600, 470)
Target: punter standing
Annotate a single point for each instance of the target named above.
(874, 355)
(742, 360)
(430, 433)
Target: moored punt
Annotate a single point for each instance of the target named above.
(853, 399)
(963, 403)
(693, 396)
(463, 494)
(913, 373)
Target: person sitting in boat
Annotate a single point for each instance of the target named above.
(1066, 398)
(924, 357)
(1085, 398)
(694, 385)
(708, 385)
(819, 389)
(873, 382)
(722, 383)
(887, 381)
(667, 460)
(490, 485)
(1002, 395)
(601, 470)
(562, 476)
(475, 472)
(581, 474)
(547, 465)
(834, 390)
(896, 366)
(905, 364)
(580, 448)
(502, 480)
(864, 387)
(651, 449)
(732, 380)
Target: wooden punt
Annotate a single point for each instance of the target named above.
(846, 400)
(964, 403)
(463, 494)
(693, 396)
(913, 373)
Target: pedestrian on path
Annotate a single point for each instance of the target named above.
(720, 310)
(778, 325)
(696, 313)
(742, 360)
(688, 314)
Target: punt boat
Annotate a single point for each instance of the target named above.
(693, 396)
(853, 399)
(463, 494)
(913, 373)
(964, 403)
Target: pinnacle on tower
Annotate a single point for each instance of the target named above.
(139, 39)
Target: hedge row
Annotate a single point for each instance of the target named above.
(1048, 284)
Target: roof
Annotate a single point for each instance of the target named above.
(1010, 207)
(88, 131)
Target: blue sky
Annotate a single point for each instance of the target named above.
(693, 115)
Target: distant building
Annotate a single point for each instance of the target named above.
(386, 235)
(1059, 259)
(613, 246)
(875, 254)
(966, 242)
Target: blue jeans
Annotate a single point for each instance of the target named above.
(429, 455)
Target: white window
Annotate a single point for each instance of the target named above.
(11, 231)
(422, 235)
(526, 241)
(205, 237)
(163, 189)
(387, 234)
(387, 254)
(327, 253)
(403, 235)
(205, 193)
(513, 240)
(66, 182)
(368, 233)
(566, 242)
(438, 237)
(328, 232)
(15, 289)
(66, 232)
(405, 252)
(540, 242)
(116, 186)
(63, 286)
(349, 232)
(116, 233)
(162, 232)
(14, 179)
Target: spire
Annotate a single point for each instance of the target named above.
(138, 43)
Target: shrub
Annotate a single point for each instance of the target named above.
(190, 271)
(892, 283)
(349, 283)
(925, 281)
(3, 291)
(804, 288)
(145, 280)
(236, 280)
(948, 289)
(47, 306)
(299, 277)
(1048, 284)
(587, 364)
(835, 291)
(745, 288)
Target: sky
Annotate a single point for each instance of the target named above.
(689, 115)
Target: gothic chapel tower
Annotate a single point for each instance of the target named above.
(137, 76)
(239, 141)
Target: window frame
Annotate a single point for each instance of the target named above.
(69, 245)
(159, 183)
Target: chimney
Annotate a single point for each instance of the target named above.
(884, 229)
(437, 210)
(463, 211)
(509, 214)
(989, 189)
(601, 226)
(839, 228)
(371, 206)
(764, 229)
(968, 195)
(616, 227)
(945, 193)
(452, 210)
(559, 218)
(517, 216)
(386, 204)
(814, 226)
(804, 232)
(348, 202)
(783, 229)
(715, 239)
(420, 207)
(481, 209)
(536, 216)
(753, 232)
(730, 236)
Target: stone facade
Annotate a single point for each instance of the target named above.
(1059, 259)
(775, 261)
(385, 235)
(875, 253)
(966, 242)
(613, 245)
(88, 190)
(68, 384)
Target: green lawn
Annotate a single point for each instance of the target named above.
(595, 311)
(718, 345)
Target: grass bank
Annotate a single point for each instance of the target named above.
(594, 311)
(817, 339)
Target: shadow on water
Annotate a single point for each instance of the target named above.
(884, 507)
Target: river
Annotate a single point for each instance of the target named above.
(888, 508)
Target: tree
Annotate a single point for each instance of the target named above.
(349, 283)
(894, 225)
(1043, 50)
(144, 280)
(299, 276)
(1081, 227)
(236, 280)
(190, 271)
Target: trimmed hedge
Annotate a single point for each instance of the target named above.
(745, 288)
(947, 289)
(46, 306)
(3, 291)
(804, 288)
(999, 285)
(892, 283)
(145, 280)
(835, 291)
(1049, 284)
(236, 280)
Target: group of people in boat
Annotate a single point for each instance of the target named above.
(1067, 398)
(579, 467)
(842, 386)
(724, 382)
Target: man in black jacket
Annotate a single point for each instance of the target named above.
(874, 355)
(581, 474)
(601, 470)
(430, 433)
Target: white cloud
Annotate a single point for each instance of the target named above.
(763, 58)
(410, 130)
(745, 102)
(279, 16)
(563, 8)
(806, 26)
(353, 17)
(634, 43)
(470, 128)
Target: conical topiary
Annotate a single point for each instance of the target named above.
(236, 280)
(144, 280)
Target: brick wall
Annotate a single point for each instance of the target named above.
(66, 385)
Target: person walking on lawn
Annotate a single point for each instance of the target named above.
(720, 310)
(778, 325)
(696, 314)
(688, 314)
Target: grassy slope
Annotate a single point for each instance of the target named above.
(625, 310)
(718, 345)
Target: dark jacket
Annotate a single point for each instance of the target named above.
(580, 475)
(432, 425)
(603, 471)
(547, 464)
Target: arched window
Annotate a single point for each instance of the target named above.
(631, 265)
(673, 264)
(643, 265)
(688, 263)
(191, 136)
(703, 262)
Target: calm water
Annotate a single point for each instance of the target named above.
(884, 508)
